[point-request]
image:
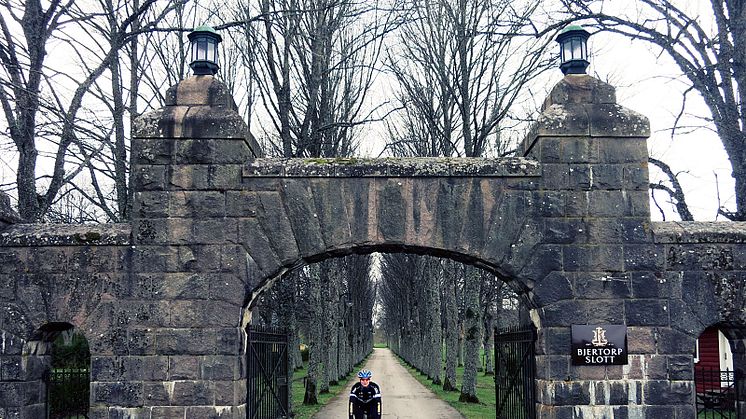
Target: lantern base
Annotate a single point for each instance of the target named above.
(574, 67)
(204, 68)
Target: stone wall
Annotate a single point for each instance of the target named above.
(163, 299)
(55, 274)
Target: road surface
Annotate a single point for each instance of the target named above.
(403, 396)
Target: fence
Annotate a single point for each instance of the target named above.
(717, 395)
(267, 386)
(515, 373)
(68, 393)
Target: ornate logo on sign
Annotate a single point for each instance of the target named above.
(599, 337)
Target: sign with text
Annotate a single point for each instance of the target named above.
(599, 344)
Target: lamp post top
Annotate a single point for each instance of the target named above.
(204, 29)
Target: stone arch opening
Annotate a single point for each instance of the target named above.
(719, 365)
(519, 286)
(45, 373)
(522, 286)
(63, 357)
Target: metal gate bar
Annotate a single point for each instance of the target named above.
(515, 373)
(717, 393)
(67, 393)
(267, 386)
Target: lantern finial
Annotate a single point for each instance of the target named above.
(573, 42)
(204, 44)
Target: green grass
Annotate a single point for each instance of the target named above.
(298, 391)
(485, 392)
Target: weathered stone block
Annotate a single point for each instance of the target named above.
(225, 176)
(607, 176)
(333, 219)
(623, 150)
(612, 120)
(148, 178)
(277, 225)
(203, 312)
(257, 244)
(572, 393)
(564, 313)
(577, 203)
(192, 393)
(635, 176)
(579, 150)
(151, 151)
(230, 341)
(228, 288)
(597, 258)
(156, 394)
(580, 177)
(542, 260)
(129, 394)
(609, 311)
(555, 176)
(185, 341)
(168, 412)
(197, 204)
(549, 203)
(140, 341)
(658, 392)
(550, 150)
(680, 367)
(184, 368)
(224, 393)
(220, 368)
(552, 288)
(640, 312)
(392, 216)
(604, 285)
(209, 412)
(650, 285)
(215, 231)
(189, 177)
(643, 258)
(672, 341)
(609, 203)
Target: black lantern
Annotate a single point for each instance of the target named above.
(573, 42)
(204, 50)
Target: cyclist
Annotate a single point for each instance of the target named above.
(365, 398)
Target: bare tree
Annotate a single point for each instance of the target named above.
(709, 47)
(462, 68)
(43, 103)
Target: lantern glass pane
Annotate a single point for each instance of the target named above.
(194, 51)
(201, 50)
(566, 51)
(211, 51)
(576, 49)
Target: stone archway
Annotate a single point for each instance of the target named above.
(213, 221)
(315, 213)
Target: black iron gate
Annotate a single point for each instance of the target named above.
(515, 373)
(67, 393)
(717, 393)
(267, 386)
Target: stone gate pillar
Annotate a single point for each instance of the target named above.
(184, 342)
(594, 199)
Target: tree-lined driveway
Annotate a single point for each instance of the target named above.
(403, 396)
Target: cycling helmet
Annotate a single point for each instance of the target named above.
(364, 374)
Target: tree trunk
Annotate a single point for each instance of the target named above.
(451, 329)
(489, 367)
(315, 346)
(472, 329)
(434, 324)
